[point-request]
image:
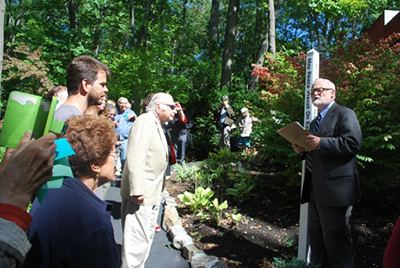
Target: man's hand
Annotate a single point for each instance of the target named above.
(178, 107)
(138, 199)
(130, 116)
(298, 149)
(313, 140)
(24, 170)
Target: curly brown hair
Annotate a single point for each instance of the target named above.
(92, 138)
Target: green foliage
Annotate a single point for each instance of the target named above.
(26, 72)
(292, 263)
(2, 152)
(236, 217)
(200, 204)
(366, 77)
(216, 210)
(184, 172)
(197, 201)
(242, 183)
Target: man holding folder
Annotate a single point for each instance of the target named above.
(331, 185)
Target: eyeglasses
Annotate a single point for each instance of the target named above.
(172, 106)
(319, 89)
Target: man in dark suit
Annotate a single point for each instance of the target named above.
(331, 183)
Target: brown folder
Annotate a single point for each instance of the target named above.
(296, 134)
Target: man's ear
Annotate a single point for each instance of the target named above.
(85, 85)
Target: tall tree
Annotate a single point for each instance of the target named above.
(2, 12)
(213, 26)
(132, 21)
(268, 42)
(272, 17)
(229, 43)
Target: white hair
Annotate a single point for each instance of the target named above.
(156, 99)
(122, 99)
(331, 84)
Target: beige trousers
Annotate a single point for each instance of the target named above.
(138, 225)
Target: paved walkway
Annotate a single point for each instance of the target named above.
(162, 255)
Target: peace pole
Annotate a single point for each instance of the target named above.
(310, 112)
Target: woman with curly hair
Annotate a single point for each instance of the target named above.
(72, 226)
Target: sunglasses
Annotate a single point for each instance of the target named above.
(172, 106)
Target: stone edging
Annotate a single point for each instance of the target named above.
(172, 224)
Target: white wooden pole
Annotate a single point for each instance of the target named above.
(310, 112)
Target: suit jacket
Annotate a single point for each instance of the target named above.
(334, 177)
(146, 162)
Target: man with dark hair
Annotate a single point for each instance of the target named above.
(86, 83)
(331, 185)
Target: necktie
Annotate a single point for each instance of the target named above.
(314, 132)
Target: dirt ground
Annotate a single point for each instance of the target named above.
(270, 224)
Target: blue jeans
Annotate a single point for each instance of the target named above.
(180, 148)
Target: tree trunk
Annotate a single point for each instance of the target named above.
(213, 27)
(260, 60)
(2, 12)
(146, 26)
(271, 9)
(229, 44)
(132, 22)
(72, 19)
(273, 12)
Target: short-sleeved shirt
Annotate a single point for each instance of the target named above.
(124, 125)
(65, 112)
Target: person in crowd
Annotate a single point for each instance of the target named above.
(179, 131)
(61, 93)
(72, 226)
(86, 83)
(98, 109)
(128, 105)
(143, 179)
(331, 185)
(225, 118)
(111, 111)
(124, 120)
(391, 258)
(112, 102)
(22, 173)
(245, 124)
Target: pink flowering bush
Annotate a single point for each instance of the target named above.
(367, 77)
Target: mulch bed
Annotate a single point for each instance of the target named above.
(269, 227)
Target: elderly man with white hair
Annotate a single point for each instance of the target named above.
(143, 179)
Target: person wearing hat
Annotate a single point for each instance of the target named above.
(225, 119)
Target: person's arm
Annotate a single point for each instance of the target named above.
(182, 116)
(391, 258)
(138, 147)
(14, 244)
(348, 139)
(22, 172)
